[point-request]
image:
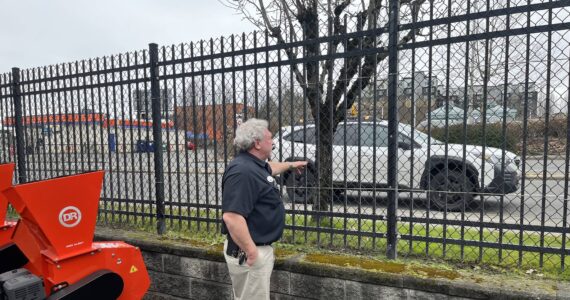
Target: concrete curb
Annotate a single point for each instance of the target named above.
(552, 176)
(466, 287)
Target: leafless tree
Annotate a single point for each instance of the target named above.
(329, 85)
(488, 57)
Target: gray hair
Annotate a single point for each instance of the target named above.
(248, 132)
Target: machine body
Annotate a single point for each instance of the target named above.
(55, 234)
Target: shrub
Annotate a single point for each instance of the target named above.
(473, 135)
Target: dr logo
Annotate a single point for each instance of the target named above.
(69, 216)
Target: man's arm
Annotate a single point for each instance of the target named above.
(278, 167)
(240, 234)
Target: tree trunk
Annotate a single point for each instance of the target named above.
(324, 163)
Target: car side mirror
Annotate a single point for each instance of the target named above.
(404, 146)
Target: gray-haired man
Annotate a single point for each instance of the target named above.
(253, 213)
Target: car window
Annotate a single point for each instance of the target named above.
(305, 136)
(353, 136)
(338, 139)
(381, 135)
(419, 137)
(365, 135)
(348, 131)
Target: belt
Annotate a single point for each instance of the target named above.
(233, 249)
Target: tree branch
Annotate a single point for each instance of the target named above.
(368, 69)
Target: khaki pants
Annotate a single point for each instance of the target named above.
(251, 282)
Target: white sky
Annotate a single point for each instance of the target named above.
(36, 33)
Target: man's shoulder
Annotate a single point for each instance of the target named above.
(240, 164)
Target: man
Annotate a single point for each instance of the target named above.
(253, 213)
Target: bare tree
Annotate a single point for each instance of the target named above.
(329, 85)
(488, 57)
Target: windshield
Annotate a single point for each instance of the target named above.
(419, 136)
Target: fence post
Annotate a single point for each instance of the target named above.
(157, 138)
(393, 23)
(18, 118)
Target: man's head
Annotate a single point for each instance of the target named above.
(254, 137)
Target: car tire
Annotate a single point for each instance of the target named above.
(338, 194)
(458, 188)
(300, 187)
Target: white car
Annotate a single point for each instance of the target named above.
(360, 148)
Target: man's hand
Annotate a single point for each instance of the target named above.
(298, 166)
(239, 232)
(252, 255)
(288, 166)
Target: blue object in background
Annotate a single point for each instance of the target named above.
(112, 142)
(145, 146)
(199, 136)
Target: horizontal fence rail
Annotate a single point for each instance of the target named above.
(467, 101)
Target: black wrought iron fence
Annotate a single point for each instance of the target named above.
(442, 134)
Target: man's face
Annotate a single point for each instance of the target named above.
(265, 145)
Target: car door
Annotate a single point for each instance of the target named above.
(405, 163)
(360, 154)
(346, 153)
(302, 143)
(380, 145)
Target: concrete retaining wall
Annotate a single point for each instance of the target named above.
(180, 270)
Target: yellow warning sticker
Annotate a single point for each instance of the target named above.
(133, 269)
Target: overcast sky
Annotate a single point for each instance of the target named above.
(43, 32)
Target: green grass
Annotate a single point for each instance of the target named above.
(309, 240)
(453, 253)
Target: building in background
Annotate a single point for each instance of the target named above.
(143, 104)
(211, 121)
(92, 133)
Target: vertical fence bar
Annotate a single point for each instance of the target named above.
(464, 129)
(546, 145)
(524, 140)
(33, 136)
(446, 149)
(429, 127)
(412, 136)
(18, 113)
(214, 135)
(194, 128)
(157, 137)
(164, 105)
(566, 171)
(504, 133)
(392, 127)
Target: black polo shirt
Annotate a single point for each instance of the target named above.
(249, 189)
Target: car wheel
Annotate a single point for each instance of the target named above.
(300, 187)
(338, 194)
(450, 192)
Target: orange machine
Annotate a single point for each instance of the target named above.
(6, 227)
(55, 233)
(10, 255)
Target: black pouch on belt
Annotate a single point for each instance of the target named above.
(233, 249)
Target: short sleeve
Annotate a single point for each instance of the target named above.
(239, 193)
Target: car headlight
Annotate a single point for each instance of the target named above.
(492, 159)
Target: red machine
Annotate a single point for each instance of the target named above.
(55, 234)
(10, 255)
(6, 227)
